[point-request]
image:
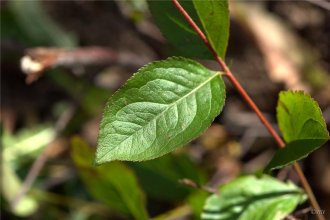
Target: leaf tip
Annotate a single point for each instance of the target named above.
(100, 160)
(101, 157)
(96, 163)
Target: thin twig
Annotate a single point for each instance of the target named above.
(299, 214)
(321, 3)
(251, 103)
(42, 158)
(33, 173)
(193, 184)
(37, 60)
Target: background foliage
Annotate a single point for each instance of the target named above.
(67, 102)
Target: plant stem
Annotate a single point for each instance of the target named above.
(39, 163)
(181, 212)
(252, 105)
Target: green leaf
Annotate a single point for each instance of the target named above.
(160, 177)
(113, 184)
(176, 29)
(163, 106)
(196, 202)
(33, 19)
(11, 185)
(249, 198)
(214, 16)
(27, 142)
(302, 125)
(300, 117)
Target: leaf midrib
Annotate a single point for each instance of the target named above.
(169, 106)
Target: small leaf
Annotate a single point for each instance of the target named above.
(302, 125)
(113, 184)
(163, 106)
(214, 16)
(252, 198)
(176, 29)
(300, 117)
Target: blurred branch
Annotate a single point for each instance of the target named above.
(258, 162)
(321, 3)
(193, 184)
(281, 52)
(42, 158)
(37, 60)
(300, 214)
(33, 173)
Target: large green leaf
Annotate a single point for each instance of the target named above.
(163, 106)
(113, 184)
(249, 198)
(214, 16)
(302, 125)
(176, 29)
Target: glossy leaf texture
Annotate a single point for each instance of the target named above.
(176, 30)
(302, 125)
(113, 184)
(214, 15)
(249, 197)
(163, 106)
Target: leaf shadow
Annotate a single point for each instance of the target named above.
(248, 201)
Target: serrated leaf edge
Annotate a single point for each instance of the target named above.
(150, 65)
(303, 93)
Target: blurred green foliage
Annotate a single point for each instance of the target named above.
(114, 183)
(30, 18)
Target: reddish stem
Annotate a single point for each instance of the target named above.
(251, 103)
